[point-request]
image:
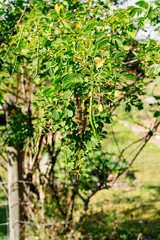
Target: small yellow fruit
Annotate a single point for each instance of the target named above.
(116, 94)
(89, 94)
(99, 62)
(100, 108)
(74, 2)
(78, 25)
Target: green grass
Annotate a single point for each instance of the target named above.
(128, 213)
(3, 219)
(3, 213)
(122, 213)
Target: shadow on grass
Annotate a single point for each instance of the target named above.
(102, 226)
(157, 188)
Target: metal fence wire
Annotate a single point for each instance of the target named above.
(131, 198)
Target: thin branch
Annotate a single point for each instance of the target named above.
(5, 159)
(39, 144)
(1, 165)
(147, 138)
(21, 16)
(130, 145)
(116, 142)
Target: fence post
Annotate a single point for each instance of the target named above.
(13, 194)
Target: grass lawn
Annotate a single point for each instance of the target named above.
(3, 217)
(130, 210)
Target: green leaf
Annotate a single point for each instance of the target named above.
(90, 25)
(102, 40)
(92, 143)
(128, 107)
(120, 54)
(72, 79)
(157, 3)
(56, 115)
(100, 36)
(142, 4)
(133, 11)
(47, 91)
(157, 69)
(132, 33)
(118, 42)
(103, 43)
(129, 76)
(68, 112)
(154, 70)
(157, 114)
(57, 87)
(156, 81)
(68, 15)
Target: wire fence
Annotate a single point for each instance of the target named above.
(135, 202)
(118, 206)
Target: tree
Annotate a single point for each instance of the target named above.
(67, 69)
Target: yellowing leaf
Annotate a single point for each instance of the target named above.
(86, 41)
(13, 111)
(97, 59)
(77, 59)
(116, 94)
(57, 31)
(58, 8)
(99, 62)
(100, 108)
(59, 19)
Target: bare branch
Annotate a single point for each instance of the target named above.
(146, 139)
(3, 157)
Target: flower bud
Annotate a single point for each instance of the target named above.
(100, 108)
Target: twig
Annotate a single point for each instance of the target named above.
(3, 158)
(21, 16)
(147, 138)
